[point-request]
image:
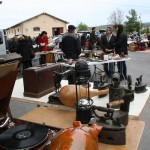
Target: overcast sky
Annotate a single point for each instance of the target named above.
(89, 12)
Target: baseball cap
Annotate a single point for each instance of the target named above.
(71, 27)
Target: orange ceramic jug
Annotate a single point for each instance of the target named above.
(77, 137)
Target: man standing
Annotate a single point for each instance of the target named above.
(71, 45)
(93, 39)
(83, 41)
(108, 45)
(138, 40)
(122, 50)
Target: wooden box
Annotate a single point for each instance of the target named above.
(39, 81)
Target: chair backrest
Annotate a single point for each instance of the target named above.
(8, 74)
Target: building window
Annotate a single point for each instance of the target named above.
(18, 29)
(36, 29)
(26, 30)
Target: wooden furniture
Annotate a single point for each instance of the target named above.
(10, 57)
(8, 74)
(58, 53)
(136, 107)
(63, 119)
(46, 57)
(39, 81)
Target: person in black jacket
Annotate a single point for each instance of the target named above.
(71, 45)
(83, 40)
(108, 45)
(24, 49)
(13, 45)
(122, 50)
(93, 39)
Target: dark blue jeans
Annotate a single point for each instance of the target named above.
(122, 70)
(109, 69)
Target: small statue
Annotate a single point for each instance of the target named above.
(129, 80)
(129, 90)
(140, 87)
(139, 80)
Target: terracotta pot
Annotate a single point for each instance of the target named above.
(77, 137)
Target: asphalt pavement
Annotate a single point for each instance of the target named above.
(138, 65)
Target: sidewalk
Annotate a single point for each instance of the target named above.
(145, 51)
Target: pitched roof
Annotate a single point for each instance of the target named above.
(38, 16)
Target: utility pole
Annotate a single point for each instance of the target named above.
(147, 30)
(140, 23)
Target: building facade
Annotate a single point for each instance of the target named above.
(34, 26)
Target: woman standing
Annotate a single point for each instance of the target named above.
(43, 41)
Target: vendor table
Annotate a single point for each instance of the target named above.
(90, 63)
(63, 119)
(58, 52)
(99, 62)
(136, 107)
(45, 57)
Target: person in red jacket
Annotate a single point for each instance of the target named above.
(43, 41)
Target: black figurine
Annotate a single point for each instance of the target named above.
(140, 87)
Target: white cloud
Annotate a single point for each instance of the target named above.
(90, 12)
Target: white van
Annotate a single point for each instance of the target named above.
(3, 49)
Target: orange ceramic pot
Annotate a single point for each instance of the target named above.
(77, 137)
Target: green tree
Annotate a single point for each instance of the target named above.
(133, 23)
(146, 30)
(82, 27)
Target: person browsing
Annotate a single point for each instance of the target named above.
(108, 45)
(122, 50)
(71, 45)
(43, 41)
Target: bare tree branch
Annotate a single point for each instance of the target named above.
(116, 17)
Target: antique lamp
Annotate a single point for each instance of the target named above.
(83, 106)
